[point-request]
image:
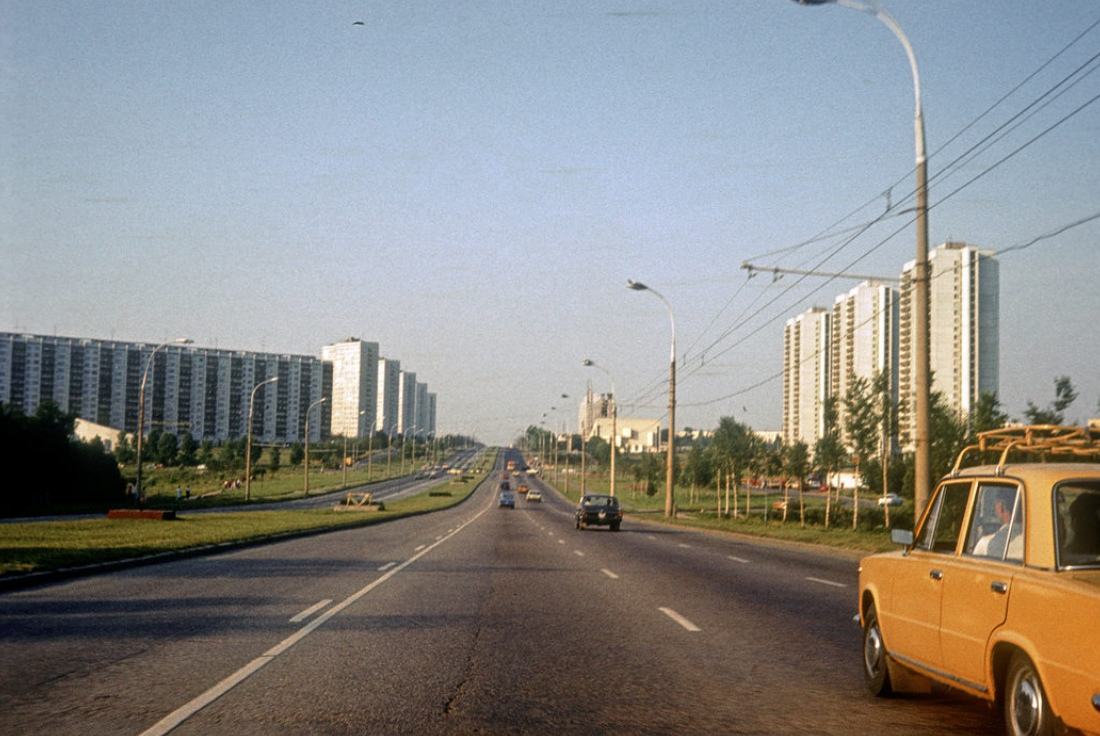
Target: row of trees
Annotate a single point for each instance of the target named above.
(856, 439)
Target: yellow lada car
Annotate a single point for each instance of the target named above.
(997, 593)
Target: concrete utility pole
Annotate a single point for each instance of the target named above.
(922, 368)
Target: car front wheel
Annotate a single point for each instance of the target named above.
(875, 673)
(1027, 712)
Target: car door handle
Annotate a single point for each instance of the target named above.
(998, 587)
(936, 574)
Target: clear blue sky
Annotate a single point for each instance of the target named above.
(470, 184)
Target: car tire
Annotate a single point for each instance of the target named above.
(876, 673)
(1026, 710)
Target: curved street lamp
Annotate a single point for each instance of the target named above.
(614, 417)
(670, 473)
(922, 368)
(318, 402)
(139, 492)
(248, 448)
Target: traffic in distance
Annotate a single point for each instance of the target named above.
(992, 598)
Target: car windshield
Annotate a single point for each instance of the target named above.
(1078, 523)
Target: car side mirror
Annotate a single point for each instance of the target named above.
(904, 537)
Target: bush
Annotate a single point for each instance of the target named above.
(65, 471)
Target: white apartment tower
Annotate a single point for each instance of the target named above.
(964, 326)
(863, 340)
(406, 404)
(354, 386)
(805, 376)
(389, 396)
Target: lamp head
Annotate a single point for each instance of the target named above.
(814, 2)
(636, 285)
(588, 363)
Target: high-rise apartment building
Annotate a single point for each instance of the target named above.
(389, 396)
(863, 342)
(805, 376)
(406, 411)
(354, 386)
(870, 330)
(205, 392)
(964, 327)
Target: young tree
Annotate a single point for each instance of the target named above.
(796, 462)
(733, 451)
(829, 451)
(1064, 396)
(297, 453)
(863, 423)
(986, 414)
(188, 451)
(167, 449)
(124, 449)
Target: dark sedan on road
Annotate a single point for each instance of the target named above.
(599, 510)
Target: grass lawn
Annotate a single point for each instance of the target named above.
(50, 545)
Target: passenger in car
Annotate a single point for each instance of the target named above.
(993, 545)
(1084, 517)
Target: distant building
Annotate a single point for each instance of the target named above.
(964, 322)
(389, 396)
(869, 331)
(596, 418)
(863, 342)
(204, 391)
(406, 409)
(354, 402)
(806, 378)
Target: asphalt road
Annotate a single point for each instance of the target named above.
(475, 619)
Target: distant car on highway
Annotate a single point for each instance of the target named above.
(890, 499)
(997, 593)
(599, 510)
(534, 495)
(507, 499)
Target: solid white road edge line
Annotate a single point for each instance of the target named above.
(187, 710)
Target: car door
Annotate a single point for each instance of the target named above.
(977, 584)
(911, 623)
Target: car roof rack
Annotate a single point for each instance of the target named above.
(1043, 439)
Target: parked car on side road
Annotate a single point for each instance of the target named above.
(997, 593)
(889, 499)
(599, 510)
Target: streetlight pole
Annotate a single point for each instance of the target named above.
(139, 491)
(670, 473)
(614, 417)
(922, 373)
(248, 448)
(315, 403)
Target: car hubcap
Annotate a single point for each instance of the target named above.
(873, 651)
(1026, 705)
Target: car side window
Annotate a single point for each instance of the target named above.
(1078, 522)
(943, 525)
(996, 526)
